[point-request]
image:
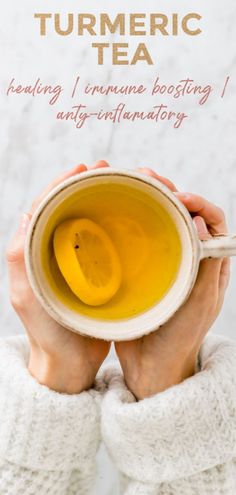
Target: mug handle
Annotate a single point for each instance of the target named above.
(220, 246)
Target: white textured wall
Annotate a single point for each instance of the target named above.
(34, 147)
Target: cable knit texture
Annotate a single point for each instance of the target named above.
(178, 442)
(48, 441)
(181, 441)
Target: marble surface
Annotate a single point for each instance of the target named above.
(200, 156)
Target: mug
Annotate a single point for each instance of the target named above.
(193, 251)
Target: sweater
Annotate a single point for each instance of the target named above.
(178, 442)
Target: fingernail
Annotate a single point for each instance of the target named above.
(79, 168)
(104, 162)
(24, 223)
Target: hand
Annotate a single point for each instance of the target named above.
(62, 360)
(168, 356)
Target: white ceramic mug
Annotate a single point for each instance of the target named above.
(193, 250)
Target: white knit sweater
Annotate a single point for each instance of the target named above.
(179, 442)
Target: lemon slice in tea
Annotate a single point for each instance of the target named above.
(87, 260)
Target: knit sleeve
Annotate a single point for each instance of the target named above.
(48, 440)
(184, 430)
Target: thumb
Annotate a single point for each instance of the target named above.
(18, 281)
(15, 251)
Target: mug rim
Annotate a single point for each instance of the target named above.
(110, 335)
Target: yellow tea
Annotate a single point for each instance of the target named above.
(144, 237)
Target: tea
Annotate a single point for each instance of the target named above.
(144, 236)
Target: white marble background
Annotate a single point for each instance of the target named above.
(34, 147)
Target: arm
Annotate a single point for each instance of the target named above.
(186, 429)
(47, 438)
(185, 420)
(169, 355)
(49, 414)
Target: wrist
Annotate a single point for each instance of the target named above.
(178, 370)
(59, 375)
(164, 375)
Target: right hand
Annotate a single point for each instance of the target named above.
(60, 359)
(168, 356)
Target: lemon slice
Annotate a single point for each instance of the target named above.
(87, 260)
(131, 242)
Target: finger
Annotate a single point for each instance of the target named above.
(164, 180)
(209, 270)
(99, 164)
(66, 175)
(213, 215)
(18, 280)
(219, 266)
(224, 275)
(202, 229)
(223, 282)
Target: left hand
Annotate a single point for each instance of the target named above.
(167, 356)
(60, 359)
